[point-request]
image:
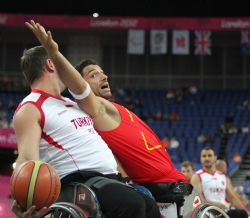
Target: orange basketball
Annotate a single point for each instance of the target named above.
(35, 183)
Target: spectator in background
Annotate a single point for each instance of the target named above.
(228, 127)
(236, 158)
(138, 103)
(6, 83)
(128, 102)
(201, 138)
(170, 95)
(4, 122)
(11, 105)
(188, 169)
(193, 89)
(245, 129)
(173, 143)
(2, 112)
(208, 138)
(165, 142)
(11, 125)
(158, 116)
(173, 116)
(179, 94)
(121, 92)
(245, 105)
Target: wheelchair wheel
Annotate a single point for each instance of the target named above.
(208, 211)
(65, 210)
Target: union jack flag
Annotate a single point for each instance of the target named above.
(202, 43)
(245, 42)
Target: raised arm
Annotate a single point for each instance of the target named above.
(67, 73)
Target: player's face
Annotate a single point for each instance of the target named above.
(222, 168)
(97, 80)
(208, 158)
(187, 171)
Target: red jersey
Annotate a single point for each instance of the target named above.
(140, 151)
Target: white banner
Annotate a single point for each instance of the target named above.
(180, 42)
(158, 42)
(136, 41)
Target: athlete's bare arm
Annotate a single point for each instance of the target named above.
(28, 133)
(233, 197)
(72, 79)
(111, 110)
(196, 182)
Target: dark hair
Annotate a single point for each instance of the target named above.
(206, 148)
(187, 164)
(32, 63)
(84, 63)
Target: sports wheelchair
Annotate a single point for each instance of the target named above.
(80, 201)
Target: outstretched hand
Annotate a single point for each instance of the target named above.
(44, 37)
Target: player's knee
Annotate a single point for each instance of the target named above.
(137, 202)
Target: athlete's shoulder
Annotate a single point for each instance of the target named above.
(31, 98)
(117, 105)
(199, 172)
(25, 113)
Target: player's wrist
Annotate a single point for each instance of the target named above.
(83, 95)
(54, 53)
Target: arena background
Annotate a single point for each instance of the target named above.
(220, 81)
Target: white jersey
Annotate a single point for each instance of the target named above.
(213, 186)
(69, 141)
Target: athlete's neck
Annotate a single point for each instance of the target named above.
(50, 90)
(48, 85)
(210, 170)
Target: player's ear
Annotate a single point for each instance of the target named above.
(49, 65)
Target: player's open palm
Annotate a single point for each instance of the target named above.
(44, 37)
